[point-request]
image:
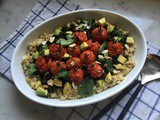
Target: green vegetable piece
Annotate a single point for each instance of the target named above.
(67, 88)
(66, 55)
(41, 92)
(83, 46)
(65, 42)
(63, 74)
(39, 84)
(69, 36)
(57, 32)
(110, 28)
(102, 21)
(69, 32)
(86, 87)
(35, 55)
(42, 49)
(109, 78)
(31, 68)
(101, 83)
(109, 65)
(103, 46)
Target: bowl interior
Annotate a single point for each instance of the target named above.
(48, 26)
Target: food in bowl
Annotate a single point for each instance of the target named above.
(79, 59)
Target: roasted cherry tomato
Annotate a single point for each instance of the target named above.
(57, 51)
(73, 63)
(115, 49)
(87, 57)
(76, 76)
(94, 70)
(89, 42)
(56, 66)
(94, 47)
(81, 36)
(99, 34)
(74, 51)
(42, 64)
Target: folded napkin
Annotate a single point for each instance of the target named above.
(147, 104)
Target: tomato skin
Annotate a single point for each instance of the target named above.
(74, 51)
(94, 47)
(99, 35)
(57, 51)
(76, 76)
(81, 36)
(73, 63)
(87, 57)
(115, 49)
(42, 64)
(95, 70)
(56, 66)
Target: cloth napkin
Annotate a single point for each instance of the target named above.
(145, 107)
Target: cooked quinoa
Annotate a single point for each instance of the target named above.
(101, 64)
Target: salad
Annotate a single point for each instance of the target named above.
(78, 59)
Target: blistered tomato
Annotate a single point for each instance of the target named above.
(73, 63)
(94, 47)
(42, 64)
(74, 51)
(81, 36)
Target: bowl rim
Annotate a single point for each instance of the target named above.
(86, 102)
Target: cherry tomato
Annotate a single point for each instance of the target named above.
(73, 63)
(57, 51)
(74, 51)
(81, 36)
(94, 47)
(76, 76)
(42, 64)
(89, 42)
(115, 49)
(94, 70)
(99, 34)
(56, 66)
(87, 57)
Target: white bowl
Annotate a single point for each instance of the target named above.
(49, 25)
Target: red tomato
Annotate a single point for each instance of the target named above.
(74, 51)
(56, 66)
(99, 34)
(73, 63)
(42, 64)
(115, 49)
(57, 51)
(94, 70)
(81, 36)
(89, 42)
(94, 47)
(87, 57)
(76, 76)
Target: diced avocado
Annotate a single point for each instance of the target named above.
(119, 67)
(57, 82)
(39, 84)
(110, 28)
(57, 31)
(83, 46)
(117, 38)
(66, 55)
(130, 41)
(35, 55)
(50, 82)
(41, 92)
(46, 52)
(67, 88)
(69, 32)
(72, 45)
(102, 21)
(100, 83)
(108, 78)
(122, 59)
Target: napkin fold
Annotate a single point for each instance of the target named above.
(145, 107)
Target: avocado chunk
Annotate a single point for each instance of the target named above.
(109, 78)
(101, 83)
(69, 32)
(130, 41)
(57, 32)
(39, 84)
(117, 38)
(46, 52)
(41, 92)
(83, 46)
(57, 82)
(119, 67)
(110, 28)
(122, 59)
(66, 55)
(35, 55)
(102, 21)
(67, 88)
